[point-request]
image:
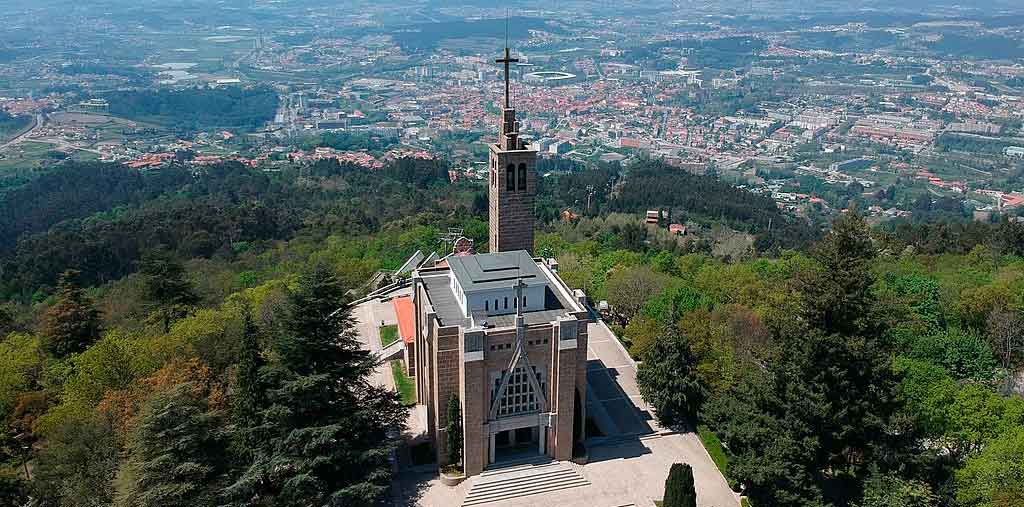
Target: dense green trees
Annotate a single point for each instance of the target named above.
(177, 452)
(197, 108)
(820, 414)
(77, 465)
(326, 434)
(76, 190)
(940, 237)
(656, 185)
(668, 380)
(891, 490)
(995, 476)
(167, 292)
(832, 381)
(59, 220)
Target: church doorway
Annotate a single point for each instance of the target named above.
(516, 444)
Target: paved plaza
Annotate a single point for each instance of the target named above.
(630, 472)
(627, 465)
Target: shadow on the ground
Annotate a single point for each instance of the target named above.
(410, 486)
(623, 416)
(416, 468)
(618, 449)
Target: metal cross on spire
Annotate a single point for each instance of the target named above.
(507, 60)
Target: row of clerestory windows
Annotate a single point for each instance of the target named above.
(487, 303)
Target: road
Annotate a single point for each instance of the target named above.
(37, 123)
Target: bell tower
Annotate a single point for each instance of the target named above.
(512, 185)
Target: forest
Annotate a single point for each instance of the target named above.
(652, 185)
(197, 108)
(12, 125)
(847, 375)
(169, 336)
(972, 144)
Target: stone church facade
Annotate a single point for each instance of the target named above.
(501, 331)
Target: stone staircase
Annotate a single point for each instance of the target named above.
(519, 479)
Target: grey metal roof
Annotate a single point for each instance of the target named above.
(443, 300)
(495, 270)
(449, 312)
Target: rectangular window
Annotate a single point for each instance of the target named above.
(510, 178)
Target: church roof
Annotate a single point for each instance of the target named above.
(449, 313)
(495, 270)
(406, 323)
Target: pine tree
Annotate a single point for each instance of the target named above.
(454, 430)
(329, 432)
(168, 293)
(667, 379)
(6, 319)
(679, 489)
(837, 295)
(177, 456)
(72, 323)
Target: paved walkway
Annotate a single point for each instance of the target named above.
(613, 398)
(368, 317)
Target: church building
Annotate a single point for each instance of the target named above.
(501, 331)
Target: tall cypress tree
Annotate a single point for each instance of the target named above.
(667, 379)
(679, 489)
(249, 396)
(454, 430)
(329, 432)
(72, 323)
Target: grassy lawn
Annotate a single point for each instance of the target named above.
(404, 383)
(388, 335)
(714, 448)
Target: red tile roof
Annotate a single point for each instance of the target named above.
(406, 324)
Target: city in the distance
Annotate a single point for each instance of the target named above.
(311, 253)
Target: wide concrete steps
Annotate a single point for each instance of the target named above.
(517, 481)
